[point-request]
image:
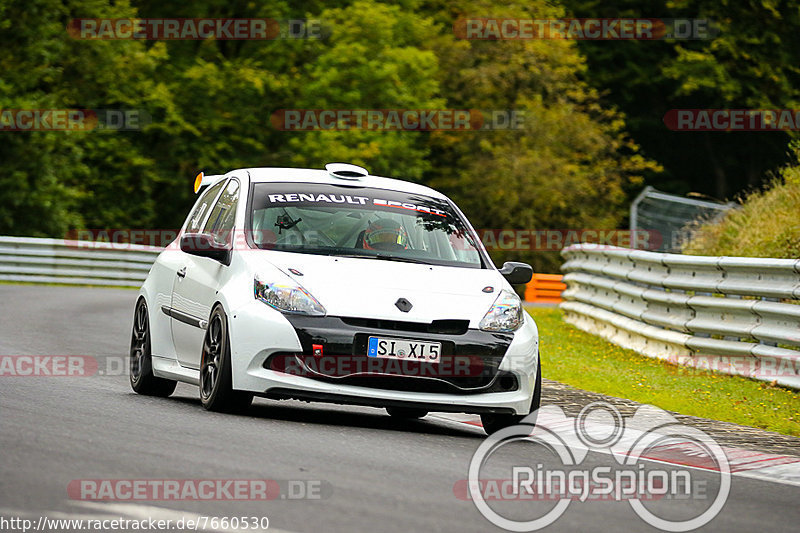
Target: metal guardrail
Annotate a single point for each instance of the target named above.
(738, 315)
(733, 314)
(76, 262)
(119, 264)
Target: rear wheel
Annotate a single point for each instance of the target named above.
(495, 422)
(216, 383)
(406, 412)
(141, 362)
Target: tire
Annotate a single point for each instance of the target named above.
(216, 389)
(495, 422)
(407, 413)
(140, 368)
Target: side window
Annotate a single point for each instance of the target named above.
(199, 212)
(220, 222)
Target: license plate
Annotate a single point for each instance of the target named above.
(386, 348)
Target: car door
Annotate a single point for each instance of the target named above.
(179, 259)
(195, 288)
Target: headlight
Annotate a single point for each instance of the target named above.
(505, 313)
(287, 296)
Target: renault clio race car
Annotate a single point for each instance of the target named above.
(335, 286)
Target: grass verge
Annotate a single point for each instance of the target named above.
(588, 362)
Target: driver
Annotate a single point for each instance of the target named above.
(385, 234)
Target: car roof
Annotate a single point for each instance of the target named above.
(309, 175)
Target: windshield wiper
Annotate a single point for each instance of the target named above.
(384, 257)
(402, 259)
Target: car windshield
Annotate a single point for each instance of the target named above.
(360, 222)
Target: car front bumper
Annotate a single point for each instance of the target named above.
(261, 335)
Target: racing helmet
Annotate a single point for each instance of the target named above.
(385, 234)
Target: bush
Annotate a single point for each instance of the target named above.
(766, 225)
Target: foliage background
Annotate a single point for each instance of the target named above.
(767, 225)
(592, 139)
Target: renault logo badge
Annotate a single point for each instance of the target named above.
(403, 305)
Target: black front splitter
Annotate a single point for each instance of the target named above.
(279, 393)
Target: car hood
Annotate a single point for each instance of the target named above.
(369, 288)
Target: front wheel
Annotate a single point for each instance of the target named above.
(493, 423)
(216, 383)
(141, 361)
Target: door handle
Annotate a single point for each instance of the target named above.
(182, 272)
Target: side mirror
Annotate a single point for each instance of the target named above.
(517, 273)
(204, 245)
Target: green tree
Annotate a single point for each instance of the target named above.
(54, 180)
(571, 166)
(749, 63)
(375, 58)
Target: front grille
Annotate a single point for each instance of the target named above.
(469, 363)
(383, 374)
(441, 327)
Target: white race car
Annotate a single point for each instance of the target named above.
(335, 286)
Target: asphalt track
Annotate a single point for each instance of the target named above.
(374, 473)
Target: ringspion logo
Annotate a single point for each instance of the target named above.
(559, 471)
